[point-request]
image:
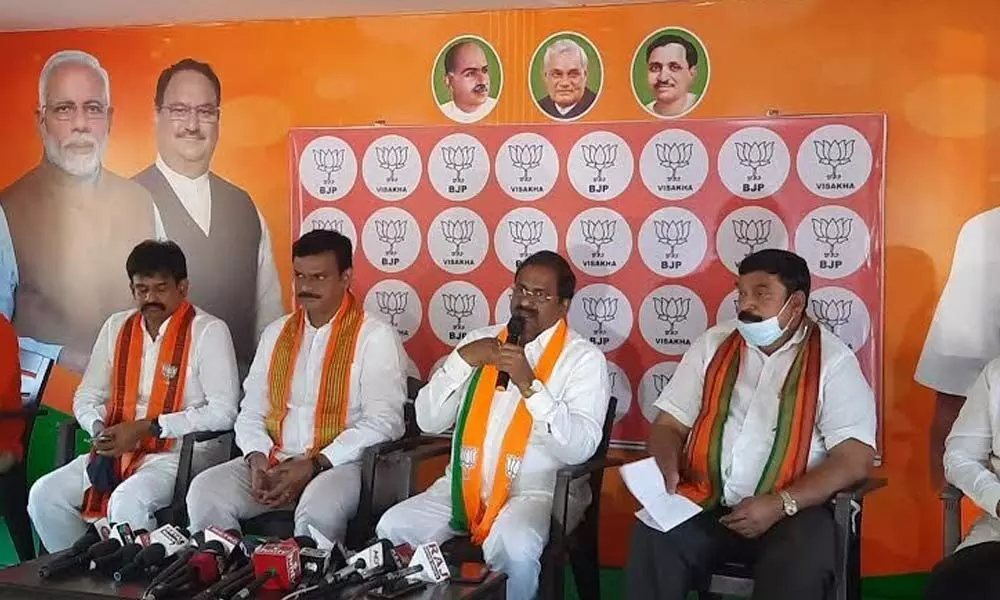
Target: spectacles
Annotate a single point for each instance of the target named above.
(205, 113)
(535, 296)
(64, 111)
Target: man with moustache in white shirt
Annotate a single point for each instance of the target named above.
(467, 75)
(208, 216)
(510, 443)
(156, 374)
(326, 383)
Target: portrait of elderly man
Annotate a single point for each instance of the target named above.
(68, 223)
(565, 72)
(467, 76)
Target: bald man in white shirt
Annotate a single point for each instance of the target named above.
(551, 415)
(155, 374)
(327, 382)
(208, 216)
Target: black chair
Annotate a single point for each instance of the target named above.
(371, 504)
(951, 498)
(578, 547)
(176, 512)
(35, 370)
(736, 578)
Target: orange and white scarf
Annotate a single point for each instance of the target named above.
(468, 513)
(335, 380)
(167, 395)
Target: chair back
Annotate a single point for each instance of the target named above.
(597, 478)
(413, 386)
(35, 370)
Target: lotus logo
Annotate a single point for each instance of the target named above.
(600, 311)
(672, 310)
(674, 156)
(392, 304)
(328, 224)
(391, 232)
(754, 155)
(458, 307)
(660, 382)
(467, 457)
(833, 154)
(598, 234)
(525, 157)
(392, 159)
(832, 232)
(612, 379)
(599, 157)
(512, 465)
(458, 159)
(458, 232)
(753, 233)
(329, 161)
(832, 313)
(672, 234)
(525, 233)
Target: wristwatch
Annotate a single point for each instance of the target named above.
(154, 429)
(318, 466)
(788, 503)
(535, 387)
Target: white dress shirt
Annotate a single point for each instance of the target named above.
(453, 112)
(196, 197)
(846, 404)
(376, 396)
(211, 387)
(965, 331)
(568, 413)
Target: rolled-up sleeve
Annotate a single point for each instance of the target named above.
(681, 397)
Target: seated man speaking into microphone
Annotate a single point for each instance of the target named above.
(510, 442)
(765, 419)
(326, 383)
(155, 375)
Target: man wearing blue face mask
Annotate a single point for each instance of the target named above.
(765, 418)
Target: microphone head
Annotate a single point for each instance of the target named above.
(104, 548)
(515, 327)
(89, 539)
(214, 547)
(129, 553)
(206, 568)
(304, 541)
(153, 554)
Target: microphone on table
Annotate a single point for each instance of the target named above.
(280, 560)
(228, 585)
(203, 569)
(373, 560)
(164, 543)
(88, 539)
(119, 558)
(62, 567)
(515, 327)
(385, 579)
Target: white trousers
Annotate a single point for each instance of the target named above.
(54, 501)
(514, 545)
(221, 496)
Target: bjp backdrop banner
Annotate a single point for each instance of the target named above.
(654, 219)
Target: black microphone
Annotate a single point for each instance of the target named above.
(115, 560)
(61, 567)
(515, 327)
(227, 585)
(152, 555)
(336, 580)
(385, 579)
(255, 585)
(203, 569)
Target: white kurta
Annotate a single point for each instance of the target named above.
(222, 495)
(971, 451)
(453, 112)
(568, 419)
(846, 403)
(211, 398)
(195, 196)
(965, 332)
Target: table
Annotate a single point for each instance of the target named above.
(22, 583)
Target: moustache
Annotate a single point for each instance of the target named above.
(307, 295)
(152, 305)
(749, 317)
(481, 88)
(79, 140)
(189, 135)
(524, 312)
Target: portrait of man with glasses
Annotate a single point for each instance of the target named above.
(210, 218)
(68, 223)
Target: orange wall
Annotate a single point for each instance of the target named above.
(930, 65)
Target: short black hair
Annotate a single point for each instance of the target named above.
(690, 52)
(319, 241)
(187, 64)
(565, 279)
(791, 269)
(157, 257)
(451, 54)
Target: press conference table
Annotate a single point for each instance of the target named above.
(22, 583)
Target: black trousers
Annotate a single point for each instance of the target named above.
(794, 560)
(972, 573)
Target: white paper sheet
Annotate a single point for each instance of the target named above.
(660, 510)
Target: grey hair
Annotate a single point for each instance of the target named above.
(561, 46)
(78, 57)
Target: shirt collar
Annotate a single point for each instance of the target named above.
(176, 178)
